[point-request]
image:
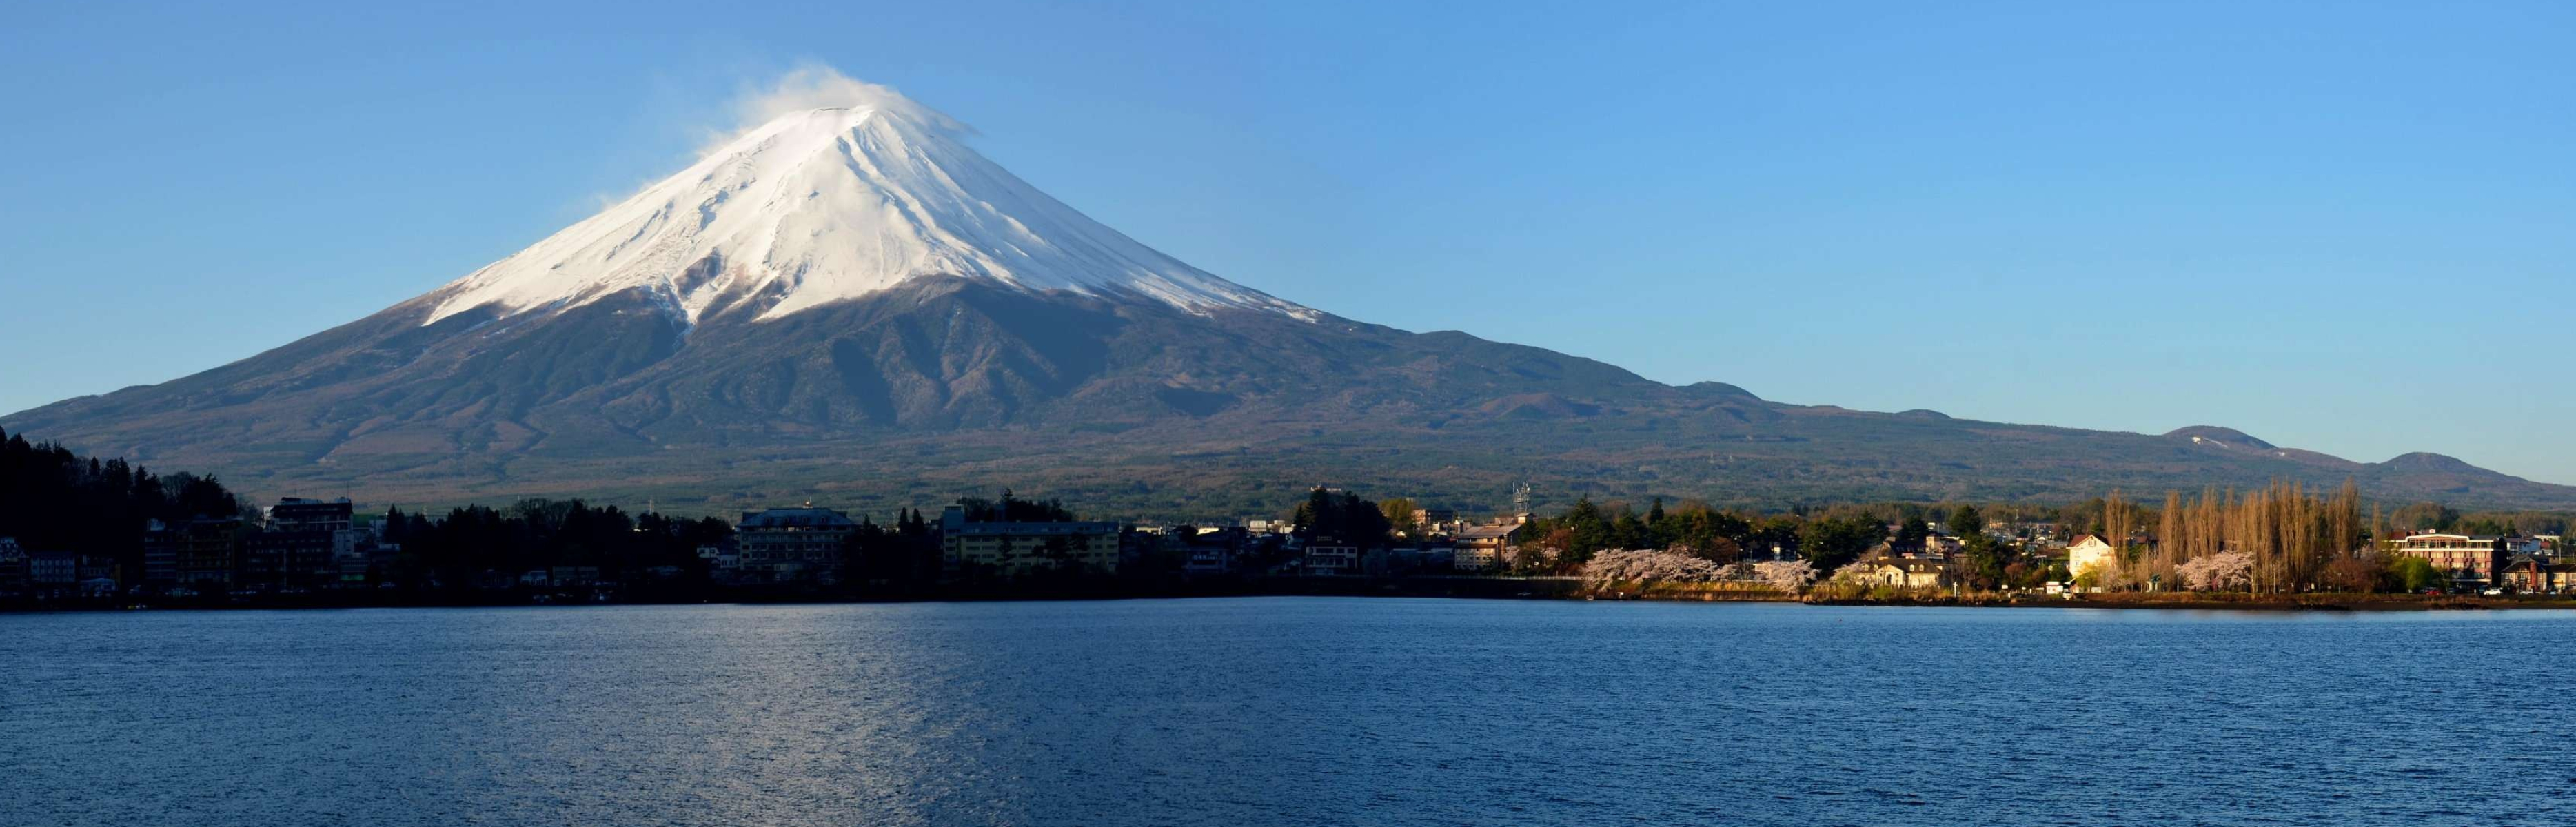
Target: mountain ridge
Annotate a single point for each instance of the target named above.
(1141, 408)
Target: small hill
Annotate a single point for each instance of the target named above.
(2220, 437)
(2429, 463)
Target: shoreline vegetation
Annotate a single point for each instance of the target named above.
(2192, 601)
(1471, 588)
(81, 533)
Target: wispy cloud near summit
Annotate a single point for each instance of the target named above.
(817, 86)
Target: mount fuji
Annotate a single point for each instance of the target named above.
(848, 303)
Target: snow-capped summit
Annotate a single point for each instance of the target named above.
(826, 204)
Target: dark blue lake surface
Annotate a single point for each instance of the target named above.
(1284, 711)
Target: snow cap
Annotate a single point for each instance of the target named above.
(837, 190)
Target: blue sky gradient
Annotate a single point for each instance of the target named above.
(2340, 226)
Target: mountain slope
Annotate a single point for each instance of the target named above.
(847, 303)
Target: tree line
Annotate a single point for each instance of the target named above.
(2284, 538)
(2280, 538)
(459, 551)
(52, 499)
(1827, 540)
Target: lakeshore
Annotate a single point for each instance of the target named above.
(86, 534)
(2187, 601)
(1483, 588)
(1435, 587)
(2216, 602)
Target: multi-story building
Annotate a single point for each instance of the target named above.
(13, 566)
(2470, 561)
(100, 576)
(52, 571)
(353, 555)
(101, 567)
(160, 555)
(300, 514)
(787, 545)
(1013, 549)
(1206, 559)
(298, 544)
(1480, 548)
(208, 551)
(287, 559)
(1329, 557)
(1210, 550)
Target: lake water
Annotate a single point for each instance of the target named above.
(1284, 711)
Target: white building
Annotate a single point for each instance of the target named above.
(2471, 561)
(1332, 559)
(792, 544)
(2089, 553)
(720, 559)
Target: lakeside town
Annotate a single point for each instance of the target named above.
(86, 533)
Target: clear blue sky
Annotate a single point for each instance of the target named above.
(2343, 226)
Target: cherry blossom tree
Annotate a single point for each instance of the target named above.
(2217, 572)
(1613, 567)
(1790, 576)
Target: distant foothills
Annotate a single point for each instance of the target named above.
(80, 532)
